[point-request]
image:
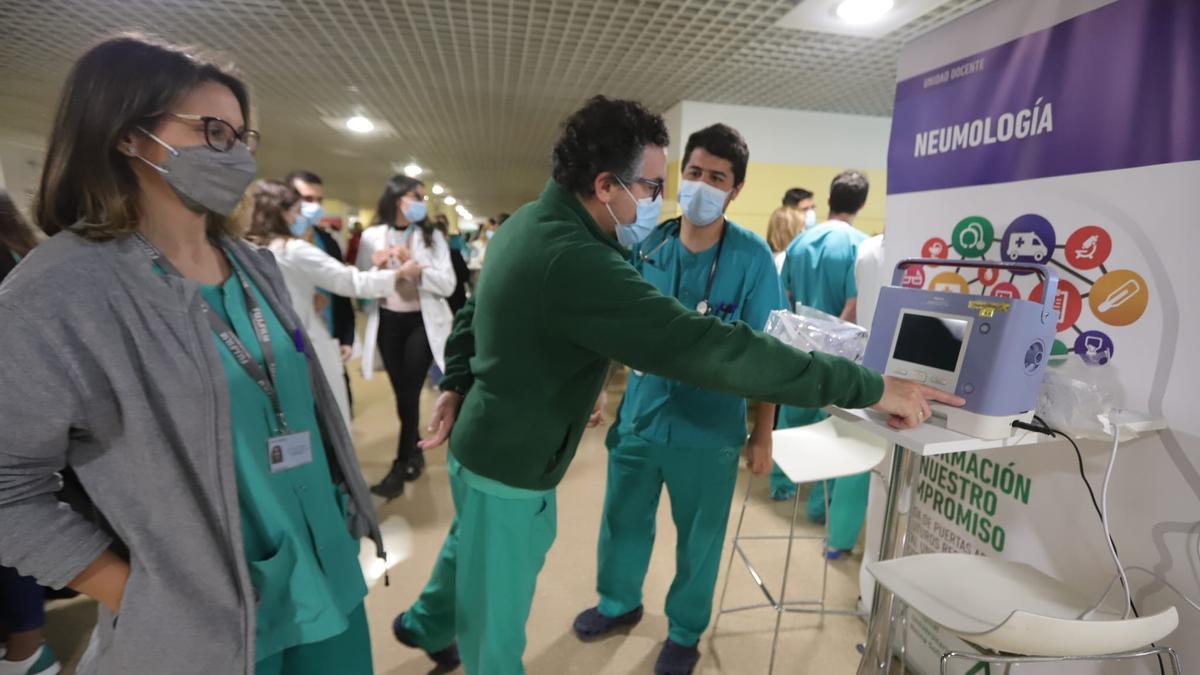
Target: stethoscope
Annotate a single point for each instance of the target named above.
(673, 228)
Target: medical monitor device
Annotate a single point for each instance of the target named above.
(992, 351)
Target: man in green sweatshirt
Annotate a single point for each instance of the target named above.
(528, 357)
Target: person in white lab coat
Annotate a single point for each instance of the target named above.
(410, 325)
(275, 223)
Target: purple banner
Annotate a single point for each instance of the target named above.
(1115, 88)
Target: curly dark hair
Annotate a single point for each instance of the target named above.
(605, 136)
(270, 200)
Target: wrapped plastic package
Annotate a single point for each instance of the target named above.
(1078, 398)
(810, 330)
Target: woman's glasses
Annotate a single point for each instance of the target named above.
(220, 135)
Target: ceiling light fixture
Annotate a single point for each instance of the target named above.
(438, 189)
(450, 201)
(861, 12)
(360, 125)
(413, 170)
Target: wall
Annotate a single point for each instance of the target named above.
(788, 148)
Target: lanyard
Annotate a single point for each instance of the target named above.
(265, 379)
(701, 306)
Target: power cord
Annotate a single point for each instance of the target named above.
(1042, 428)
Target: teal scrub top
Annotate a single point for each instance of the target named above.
(818, 272)
(819, 269)
(669, 413)
(303, 562)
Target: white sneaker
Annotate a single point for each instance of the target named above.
(43, 662)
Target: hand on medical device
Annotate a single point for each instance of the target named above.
(907, 402)
(445, 412)
(597, 417)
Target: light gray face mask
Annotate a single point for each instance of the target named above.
(204, 177)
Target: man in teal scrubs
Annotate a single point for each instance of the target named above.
(819, 273)
(529, 355)
(668, 432)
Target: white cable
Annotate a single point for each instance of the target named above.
(1112, 549)
(1134, 568)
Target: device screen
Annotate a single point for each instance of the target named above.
(930, 341)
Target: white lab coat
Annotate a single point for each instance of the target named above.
(437, 283)
(305, 269)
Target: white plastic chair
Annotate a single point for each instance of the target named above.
(1011, 608)
(823, 451)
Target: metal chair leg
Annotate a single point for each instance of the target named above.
(824, 547)
(1176, 664)
(781, 608)
(733, 553)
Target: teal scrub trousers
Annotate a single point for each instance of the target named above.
(482, 585)
(847, 495)
(348, 653)
(700, 484)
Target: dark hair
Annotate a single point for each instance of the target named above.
(793, 197)
(303, 175)
(386, 210)
(118, 85)
(724, 142)
(441, 222)
(848, 192)
(269, 200)
(501, 218)
(605, 136)
(15, 233)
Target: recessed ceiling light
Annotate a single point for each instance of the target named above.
(859, 12)
(413, 170)
(360, 125)
(438, 189)
(450, 201)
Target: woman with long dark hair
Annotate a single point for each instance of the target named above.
(154, 352)
(412, 324)
(16, 236)
(274, 207)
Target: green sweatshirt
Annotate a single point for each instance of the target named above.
(557, 300)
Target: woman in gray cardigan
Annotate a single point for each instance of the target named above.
(158, 356)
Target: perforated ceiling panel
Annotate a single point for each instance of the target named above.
(473, 89)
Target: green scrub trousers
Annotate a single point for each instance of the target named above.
(847, 495)
(700, 484)
(482, 586)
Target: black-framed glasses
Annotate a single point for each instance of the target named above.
(220, 135)
(657, 187)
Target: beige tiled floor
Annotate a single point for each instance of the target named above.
(415, 524)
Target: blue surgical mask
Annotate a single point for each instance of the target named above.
(702, 203)
(299, 226)
(810, 217)
(648, 210)
(311, 213)
(416, 211)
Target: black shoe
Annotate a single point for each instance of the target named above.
(447, 658)
(415, 467)
(592, 625)
(392, 485)
(675, 659)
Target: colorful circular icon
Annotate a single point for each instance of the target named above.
(914, 277)
(1067, 302)
(988, 276)
(949, 282)
(1059, 352)
(1119, 298)
(973, 236)
(1029, 239)
(1094, 347)
(1005, 290)
(1088, 247)
(935, 248)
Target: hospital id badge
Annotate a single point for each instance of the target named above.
(289, 451)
